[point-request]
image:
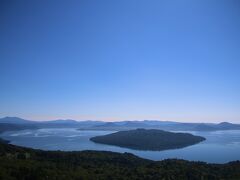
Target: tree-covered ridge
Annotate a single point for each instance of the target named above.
(24, 163)
(27, 164)
(142, 139)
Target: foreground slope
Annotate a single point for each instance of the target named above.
(24, 163)
(152, 139)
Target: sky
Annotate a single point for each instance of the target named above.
(111, 60)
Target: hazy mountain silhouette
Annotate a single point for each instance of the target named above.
(23, 124)
(167, 125)
(122, 125)
(16, 120)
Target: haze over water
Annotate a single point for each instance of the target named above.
(71, 70)
(219, 147)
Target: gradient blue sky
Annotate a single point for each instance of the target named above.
(120, 60)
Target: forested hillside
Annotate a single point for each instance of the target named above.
(28, 164)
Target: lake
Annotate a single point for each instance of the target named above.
(219, 147)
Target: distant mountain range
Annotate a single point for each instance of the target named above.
(15, 123)
(167, 125)
(15, 120)
(19, 123)
(52, 123)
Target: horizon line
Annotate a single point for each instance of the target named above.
(117, 120)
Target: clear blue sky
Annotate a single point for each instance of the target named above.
(120, 60)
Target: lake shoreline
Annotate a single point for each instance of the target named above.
(71, 139)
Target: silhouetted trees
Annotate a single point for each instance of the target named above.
(27, 164)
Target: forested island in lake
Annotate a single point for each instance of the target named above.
(148, 139)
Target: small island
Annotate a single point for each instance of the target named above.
(151, 139)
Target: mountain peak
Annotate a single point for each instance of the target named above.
(14, 120)
(225, 123)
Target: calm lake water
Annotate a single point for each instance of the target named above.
(220, 146)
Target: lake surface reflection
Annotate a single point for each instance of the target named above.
(220, 146)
